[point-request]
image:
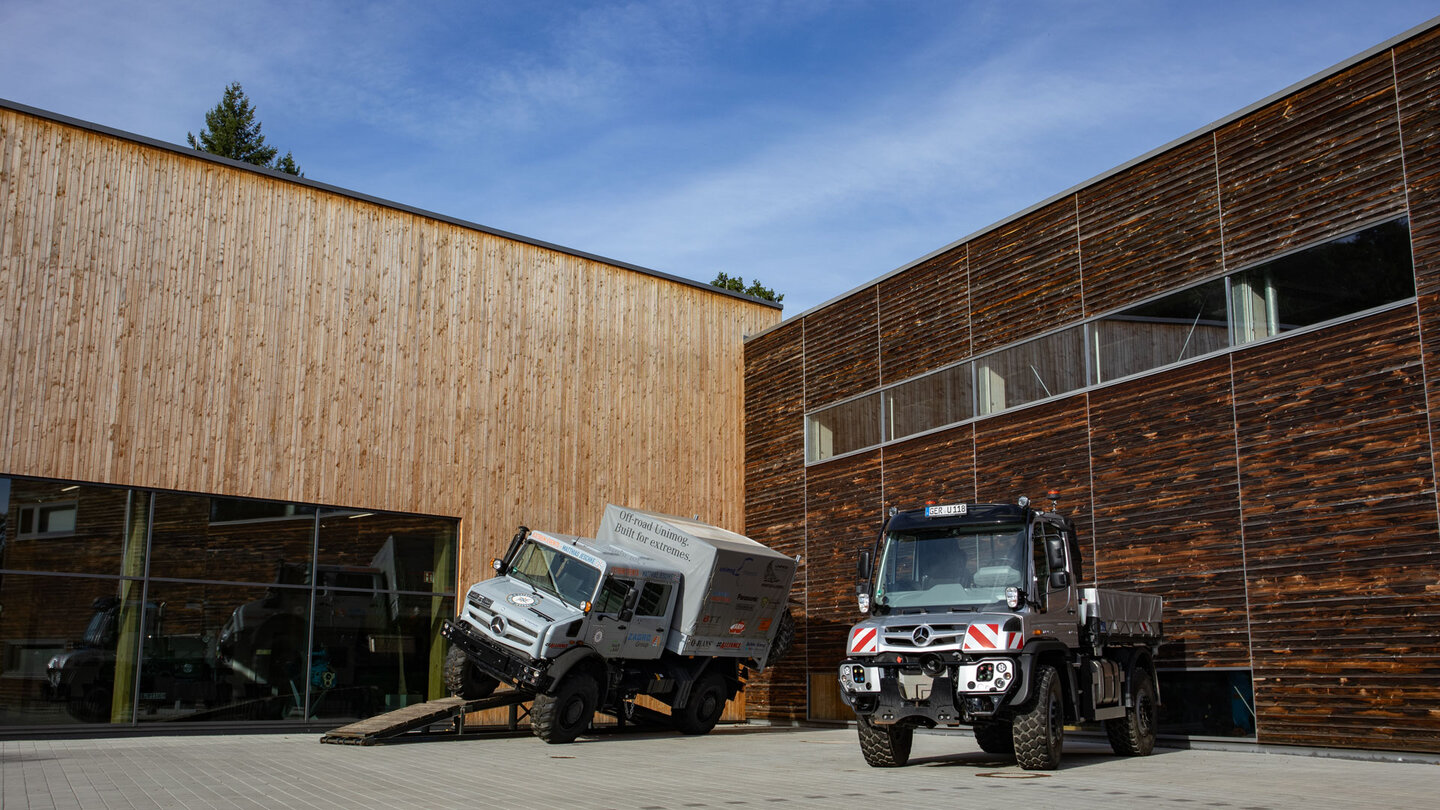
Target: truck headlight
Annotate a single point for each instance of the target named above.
(863, 599)
(1012, 598)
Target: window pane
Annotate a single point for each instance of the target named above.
(843, 428)
(223, 652)
(185, 544)
(932, 401)
(407, 552)
(654, 598)
(1347, 275)
(1177, 327)
(1207, 703)
(59, 645)
(59, 526)
(374, 652)
(1035, 370)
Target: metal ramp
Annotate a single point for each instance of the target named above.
(381, 727)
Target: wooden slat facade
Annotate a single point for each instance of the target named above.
(177, 322)
(1281, 496)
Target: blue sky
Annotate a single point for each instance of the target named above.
(811, 145)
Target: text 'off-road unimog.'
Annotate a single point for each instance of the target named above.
(977, 617)
(655, 605)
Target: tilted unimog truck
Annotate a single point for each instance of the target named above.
(655, 605)
(978, 618)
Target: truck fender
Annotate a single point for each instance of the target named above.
(1053, 653)
(1133, 661)
(688, 672)
(571, 658)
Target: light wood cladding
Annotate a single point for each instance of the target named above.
(172, 321)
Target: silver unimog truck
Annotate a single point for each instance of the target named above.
(655, 605)
(978, 618)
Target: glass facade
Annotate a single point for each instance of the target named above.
(126, 606)
(1340, 278)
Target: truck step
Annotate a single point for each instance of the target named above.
(373, 730)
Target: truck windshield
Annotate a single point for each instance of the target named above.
(952, 567)
(555, 573)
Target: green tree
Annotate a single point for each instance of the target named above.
(737, 284)
(231, 131)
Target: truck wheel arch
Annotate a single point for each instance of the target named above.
(1134, 660)
(574, 657)
(1056, 655)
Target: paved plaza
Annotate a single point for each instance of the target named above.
(734, 768)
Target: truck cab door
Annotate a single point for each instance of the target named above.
(1053, 586)
(650, 623)
(609, 619)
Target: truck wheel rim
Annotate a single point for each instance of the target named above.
(571, 714)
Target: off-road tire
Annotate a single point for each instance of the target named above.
(1134, 734)
(885, 746)
(559, 718)
(1040, 730)
(463, 679)
(995, 737)
(703, 708)
(784, 638)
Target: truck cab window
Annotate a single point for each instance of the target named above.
(1042, 563)
(612, 595)
(654, 598)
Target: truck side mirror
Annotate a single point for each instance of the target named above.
(1055, 552)
(862, 581)
(627, 608)
(1059, 579)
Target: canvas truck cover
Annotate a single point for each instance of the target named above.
(734, 589)
(1123, 612)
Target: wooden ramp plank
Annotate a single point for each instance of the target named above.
(397, 722)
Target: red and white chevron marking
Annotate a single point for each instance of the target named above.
(864, 640)
(982, 637)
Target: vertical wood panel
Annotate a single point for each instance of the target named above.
(171, 322)
(1025, 277)
(841, 350)
(1151, 228)
(1313, 164)
(845, 515)
(1340, 528)
(1167, 508)
(925, 317)
(775, 498)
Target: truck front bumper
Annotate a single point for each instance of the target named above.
(496, 661)
(887, 693)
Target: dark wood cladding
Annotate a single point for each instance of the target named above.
(1032, 451)
(1417, 76)
(1166, 491)
(775, 442)
(840, 350)
(1280, 496)
(845, 515)
(1025, 277)
(1151, 228)
(1338, 504)
(925, 317)
(936, 467)
(1314, 164)
(775, 498)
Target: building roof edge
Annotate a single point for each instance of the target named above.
(101, 129)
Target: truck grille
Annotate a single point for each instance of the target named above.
(920, 636)
(480, 610)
